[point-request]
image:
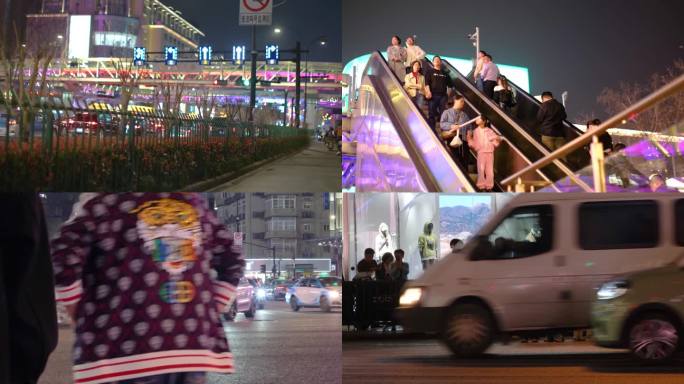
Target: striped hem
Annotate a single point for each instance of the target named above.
(70, 294)
(224, 293)
(150, 364)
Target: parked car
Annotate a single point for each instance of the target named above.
(534, 267)
(322, 292)
(245, 302)
(643, 312)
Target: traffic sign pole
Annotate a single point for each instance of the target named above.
(253, 79)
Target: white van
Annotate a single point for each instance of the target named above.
(536, 264)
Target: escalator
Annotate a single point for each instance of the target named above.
(520, 132)
(396, 150)
(508, 159)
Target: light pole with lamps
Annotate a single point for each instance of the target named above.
(322, 41)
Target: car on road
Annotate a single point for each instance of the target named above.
(280, 290)
(321, 292)
(643, 312)
(533, 269)
(245, 301)
(259, 292)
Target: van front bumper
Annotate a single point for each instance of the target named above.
(421, 319)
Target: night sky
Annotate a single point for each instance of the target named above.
(302, 20)
(579, 46)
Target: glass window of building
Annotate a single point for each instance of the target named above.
(283, 224)
(285, 247)
(618, 225)
(283, 202)
(307, 203)
(307, 227)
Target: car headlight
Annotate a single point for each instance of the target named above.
(261, 293)
(411, 297)
(612, 290)
(333, 294)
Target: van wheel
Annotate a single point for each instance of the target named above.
(653, 338)
(469, 330)
(325, 304)
(293, 303)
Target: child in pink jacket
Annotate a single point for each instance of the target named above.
(484, 141)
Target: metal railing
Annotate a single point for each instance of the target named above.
(597, 164)
(68, 145)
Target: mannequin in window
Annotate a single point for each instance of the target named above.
(426, 246)
(383, 241)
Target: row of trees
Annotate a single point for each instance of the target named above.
(662, 116)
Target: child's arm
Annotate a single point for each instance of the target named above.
(69, 253)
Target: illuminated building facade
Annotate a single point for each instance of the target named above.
(82, 29)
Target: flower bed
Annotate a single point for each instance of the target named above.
(159, 165)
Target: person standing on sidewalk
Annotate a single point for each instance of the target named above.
(28, 315)
(396, 57)
(550, 117)
(146, 276)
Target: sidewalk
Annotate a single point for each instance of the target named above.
(315, 169)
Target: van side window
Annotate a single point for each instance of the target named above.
(618, 225)
(679, 222)
(525, 232)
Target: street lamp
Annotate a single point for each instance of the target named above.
(322, 40)
(277, 31)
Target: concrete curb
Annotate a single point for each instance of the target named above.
(373, 335)
(216, 181)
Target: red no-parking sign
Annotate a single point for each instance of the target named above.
(256, 12)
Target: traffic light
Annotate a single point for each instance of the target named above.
(263, 268)
(223, 82)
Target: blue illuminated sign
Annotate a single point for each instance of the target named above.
(272, 54)
(171, 55)
(205, 55)
(139, 56)
(238, 54)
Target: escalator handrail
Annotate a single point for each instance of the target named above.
(403, 132)
(545, 152)
(520, 91)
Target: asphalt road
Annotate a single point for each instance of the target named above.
(427, 361)
(277, 346)
(315, 169)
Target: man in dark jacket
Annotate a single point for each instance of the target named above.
(550, 118)
(28, 316)
(437, 83)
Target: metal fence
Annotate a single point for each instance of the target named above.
(369, 303)
(58, 146)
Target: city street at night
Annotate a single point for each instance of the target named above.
(429, 361)
(277, 346)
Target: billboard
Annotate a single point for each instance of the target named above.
(79, 36)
